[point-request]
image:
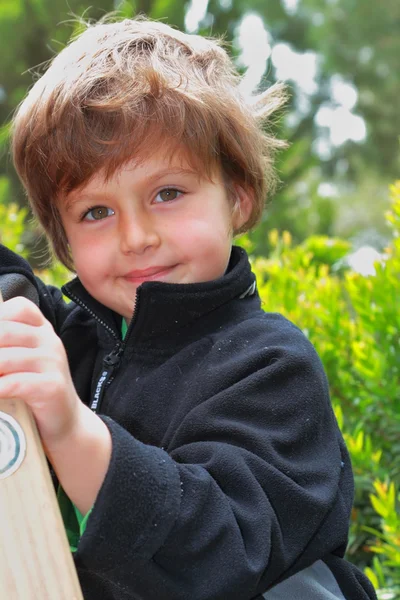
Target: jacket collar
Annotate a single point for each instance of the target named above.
(163, 308)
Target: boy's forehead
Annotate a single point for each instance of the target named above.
(165, 158)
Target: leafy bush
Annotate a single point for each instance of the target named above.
(386, 502)
(12, 221)
(354, 322)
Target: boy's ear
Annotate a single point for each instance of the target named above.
(244, 199)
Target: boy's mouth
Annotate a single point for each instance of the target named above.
(151, 274)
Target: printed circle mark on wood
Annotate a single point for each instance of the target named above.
(12, 445)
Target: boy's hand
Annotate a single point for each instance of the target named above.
(34, 368)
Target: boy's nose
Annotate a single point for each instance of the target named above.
(137, 233)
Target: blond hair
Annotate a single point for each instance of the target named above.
(120, 88)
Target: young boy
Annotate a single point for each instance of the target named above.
(191, 433)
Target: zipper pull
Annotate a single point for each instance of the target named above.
(110, 364)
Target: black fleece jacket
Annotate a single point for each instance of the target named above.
(228, 472)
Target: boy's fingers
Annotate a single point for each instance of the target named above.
(24, 386)
(18, 334)
(21, 310)
(21, 360)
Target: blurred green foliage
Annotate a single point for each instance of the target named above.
(386, 502)
(12, 221)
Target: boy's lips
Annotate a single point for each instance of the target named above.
(150, 274)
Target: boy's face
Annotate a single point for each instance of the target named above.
(156, 221)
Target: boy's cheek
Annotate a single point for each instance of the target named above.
(91, 260)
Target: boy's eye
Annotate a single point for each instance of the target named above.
(97, 213)
(167, 194)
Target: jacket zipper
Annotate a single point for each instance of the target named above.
(112, 361)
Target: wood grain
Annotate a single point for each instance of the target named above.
(35, 560)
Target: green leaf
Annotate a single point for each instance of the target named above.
(379, 506)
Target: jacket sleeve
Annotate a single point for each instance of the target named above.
(256, 484)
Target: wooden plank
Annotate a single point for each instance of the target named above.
(35, 560)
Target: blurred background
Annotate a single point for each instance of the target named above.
(340, 59)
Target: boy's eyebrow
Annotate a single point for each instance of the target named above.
(169, 171)
(152, 178)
